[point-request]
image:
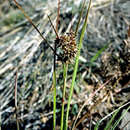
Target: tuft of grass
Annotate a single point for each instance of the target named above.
(121, 117)
(114, 113)
(109, 124)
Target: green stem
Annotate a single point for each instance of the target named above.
(76, 65)
(54, 100)
(54, 93)
(65, 67)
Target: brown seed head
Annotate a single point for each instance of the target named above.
(67, 45)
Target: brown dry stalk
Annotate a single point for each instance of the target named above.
(31, 22)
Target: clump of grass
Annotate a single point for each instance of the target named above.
(110, 124)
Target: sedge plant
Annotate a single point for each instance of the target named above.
(69, 50)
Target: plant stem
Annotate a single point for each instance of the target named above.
(54, 65)
(76, 65)
(54, 100)
(65, 67)
(54, 93)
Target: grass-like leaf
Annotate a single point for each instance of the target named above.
(80, 16)
(114, 114)
(121, 117)
(65, 67)
(76, 64)
(99, 52)
(109, 124)
(54, 100)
